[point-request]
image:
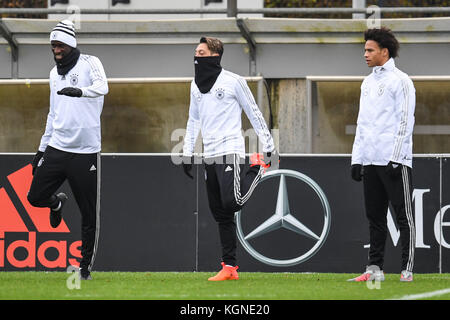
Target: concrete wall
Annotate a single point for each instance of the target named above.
(301, 60)
(335, 117)
(136, 117)
(287, 51)
(280, 62)
(145, 117)
(5, 60)
(285, 48)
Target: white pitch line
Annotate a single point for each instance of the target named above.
(424, 295)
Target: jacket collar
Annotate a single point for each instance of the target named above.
(388, 66)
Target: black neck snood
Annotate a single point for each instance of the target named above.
(207, 69)
(68, 62)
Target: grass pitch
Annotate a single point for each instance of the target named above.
(194, 286)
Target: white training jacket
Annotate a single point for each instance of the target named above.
(386, 118)
(217, 114)
(73, 124)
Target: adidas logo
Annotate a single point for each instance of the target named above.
(228, 168)
(93, 168)
(19, 216)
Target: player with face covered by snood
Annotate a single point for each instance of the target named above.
(70, 147)
(217, 99)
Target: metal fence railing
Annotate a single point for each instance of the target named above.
(230, 11)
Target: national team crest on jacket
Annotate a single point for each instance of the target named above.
(220, 93)
(73, 79)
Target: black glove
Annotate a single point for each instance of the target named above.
(393, 169)
(357, 172)
(187, 166)
(71, 92)
(37, 157)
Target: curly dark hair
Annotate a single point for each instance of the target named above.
(385, 39)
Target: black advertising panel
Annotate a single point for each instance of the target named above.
(306, 217)
(345, 248)
(147, 219)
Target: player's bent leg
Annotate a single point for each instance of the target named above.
(48, 177)
(236, 186)
(54, 202)
(43, 187)
(56, 213)
(246, 183)
(36, 200)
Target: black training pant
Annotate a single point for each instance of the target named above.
(83, 174)
(380, 189)
(228, 189)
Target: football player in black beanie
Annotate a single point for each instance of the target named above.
(71, 144)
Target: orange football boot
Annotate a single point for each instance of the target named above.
(227, 273)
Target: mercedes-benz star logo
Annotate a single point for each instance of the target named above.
(283, 218)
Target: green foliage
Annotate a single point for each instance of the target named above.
(23, 4)
(280, 4)
(348, 4)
